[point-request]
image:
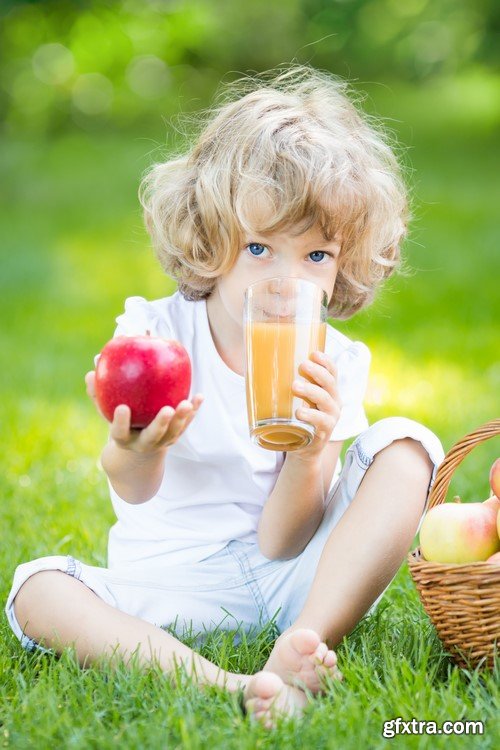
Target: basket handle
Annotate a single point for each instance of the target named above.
(455, 456)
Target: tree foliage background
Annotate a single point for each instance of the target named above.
(93, 63)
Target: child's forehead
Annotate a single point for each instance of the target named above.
(295, 210)
(311, 234)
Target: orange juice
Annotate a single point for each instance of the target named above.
(274, 352)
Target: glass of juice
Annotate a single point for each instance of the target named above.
(284, 321)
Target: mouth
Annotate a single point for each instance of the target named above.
(278, 315)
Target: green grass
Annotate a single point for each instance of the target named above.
(392, 663)
(75, 249)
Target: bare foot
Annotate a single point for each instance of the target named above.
(266, 698)
(300, 658)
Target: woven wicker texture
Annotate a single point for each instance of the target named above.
(462, 600)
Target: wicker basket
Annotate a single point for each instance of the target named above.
(462, 600)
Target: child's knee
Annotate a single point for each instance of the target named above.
(415, 454)
(33, 593)
(409, 457)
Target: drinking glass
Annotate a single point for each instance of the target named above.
(284, 320)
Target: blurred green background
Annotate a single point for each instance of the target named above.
(93, 92)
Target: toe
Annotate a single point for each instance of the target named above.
(330, 659)
(263, 685)
(268, 685)
(333, 673)
(320, 653)
(305, 640)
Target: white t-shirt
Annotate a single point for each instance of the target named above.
(216, 481)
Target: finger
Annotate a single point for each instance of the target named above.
(90, 383)
(156, 429)
(198, 400)
(195, 409)
(316, 395)
(326, 361)
(323, 424)
(182, 412)
(170, 423)
(120, 426)
(189, 419)
(167, 426)
(320, 375)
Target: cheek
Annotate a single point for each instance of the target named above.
(329, 285)
(232, 292)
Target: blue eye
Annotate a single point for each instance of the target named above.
(317, 252)
(257, 245)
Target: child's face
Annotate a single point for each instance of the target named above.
(307, 256)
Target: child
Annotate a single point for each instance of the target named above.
(286, 178)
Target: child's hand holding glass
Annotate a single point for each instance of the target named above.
(165, 429)
(320, 389)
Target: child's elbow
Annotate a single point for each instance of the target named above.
(265, 552)
(266, 549)
(272, 551)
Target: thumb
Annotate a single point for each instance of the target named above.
(90, 383)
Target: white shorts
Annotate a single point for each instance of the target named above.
(237, 587)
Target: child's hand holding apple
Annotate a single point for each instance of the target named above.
(140, 385)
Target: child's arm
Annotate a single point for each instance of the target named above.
(134, 460)
(295, 507)
(135, 477)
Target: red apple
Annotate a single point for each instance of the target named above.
(144, 372)
(495, 478)
(494, 559)
(460, 532)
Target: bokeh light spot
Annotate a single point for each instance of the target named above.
(92, 93)
(148, 76)
(53, 63)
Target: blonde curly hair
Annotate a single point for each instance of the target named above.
(277, 150)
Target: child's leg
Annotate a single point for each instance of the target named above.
(365, 549)
(57, 611)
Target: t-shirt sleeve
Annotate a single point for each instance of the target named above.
(353, 365)
(139, 316)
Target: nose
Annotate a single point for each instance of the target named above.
(287, 268)
(282, 285)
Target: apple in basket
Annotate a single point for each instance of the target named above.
(495, 485)
(144, 372)
(460, 532)
(495, 478)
